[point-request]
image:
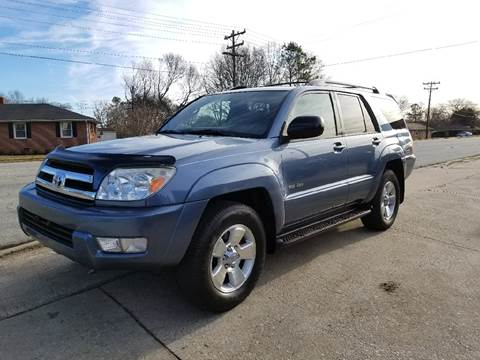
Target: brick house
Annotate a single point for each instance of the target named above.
(417, 130)
(39, 128)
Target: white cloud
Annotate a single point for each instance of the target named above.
(335, 31)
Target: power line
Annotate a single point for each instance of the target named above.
(230, 54)
(88, 28)
(263, 37)
(166, 19)
(83, 9)
(256, 41)
(170, 27)
(430, 87)
(403, 53)
(348, 28)
(79, 62)
(88, 52)
(233, 53)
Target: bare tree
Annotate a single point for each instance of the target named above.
(174, 67)
(15, 97)
(218, 74)
(259, 66)
(101, 112)
(273, 66)
(403, 103)
(148, 90)
(459, 104)
(252, 67)
(463, 113)
(190, 85)
(439, 116)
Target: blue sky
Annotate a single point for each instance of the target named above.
(335, 31)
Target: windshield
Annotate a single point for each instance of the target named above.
(242, 114)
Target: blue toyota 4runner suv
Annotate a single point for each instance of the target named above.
(227, 179)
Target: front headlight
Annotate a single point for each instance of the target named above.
(134, 183)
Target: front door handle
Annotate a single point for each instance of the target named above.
(376, 141)
(338, 146)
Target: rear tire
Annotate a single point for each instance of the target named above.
(225, 257)
(385, 204)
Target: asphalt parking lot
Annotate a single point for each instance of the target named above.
(409, 293)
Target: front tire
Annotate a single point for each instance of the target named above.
(385, 204)
(225, 257)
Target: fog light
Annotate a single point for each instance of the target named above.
(122, 245)
(109, 244)
(133, 245)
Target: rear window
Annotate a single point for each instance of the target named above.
(352, 114)
(390, 110)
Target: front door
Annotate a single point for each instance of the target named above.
(314, 169)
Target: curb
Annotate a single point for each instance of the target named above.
(31, 245)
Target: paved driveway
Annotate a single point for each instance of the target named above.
(409, 293)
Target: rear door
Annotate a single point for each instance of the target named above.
(362, 140)
(314, 169)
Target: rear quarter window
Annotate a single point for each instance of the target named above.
(390, 110)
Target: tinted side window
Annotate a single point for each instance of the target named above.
(368, 119)
(317, 105)
(391, 111)
(352, 115)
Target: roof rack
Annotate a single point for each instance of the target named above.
(347, 85)
(319, 82)
(288, 83)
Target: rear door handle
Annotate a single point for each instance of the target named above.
(376, 141)
(338, 147)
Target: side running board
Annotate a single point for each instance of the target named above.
(318, 227)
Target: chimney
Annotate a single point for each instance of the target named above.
(2, 100)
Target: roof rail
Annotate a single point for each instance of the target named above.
(347, 85)
(238, 87)
(288, 83)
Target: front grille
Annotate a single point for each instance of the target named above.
(67, 179)
(47, 228)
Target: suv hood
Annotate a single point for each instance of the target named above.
(179, 146)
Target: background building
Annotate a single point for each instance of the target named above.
(39, 128)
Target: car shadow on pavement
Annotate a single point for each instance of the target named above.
(288, 258)
(156, 302)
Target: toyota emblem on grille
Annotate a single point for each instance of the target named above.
(59, 179)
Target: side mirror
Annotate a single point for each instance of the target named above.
(303, 127)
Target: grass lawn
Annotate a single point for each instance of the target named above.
(18, 158)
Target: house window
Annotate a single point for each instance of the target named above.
(66, 129)
(20, 130)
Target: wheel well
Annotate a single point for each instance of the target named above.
(397, 167)
(259, 200)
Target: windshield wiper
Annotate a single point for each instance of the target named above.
(172, 132)
(212, 132)
(215, 132)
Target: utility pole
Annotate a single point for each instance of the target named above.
(233, 53)
(430, 87)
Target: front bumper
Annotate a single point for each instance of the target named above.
(168, 229)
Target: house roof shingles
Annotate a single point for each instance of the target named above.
(38, 112)
(416, 126)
